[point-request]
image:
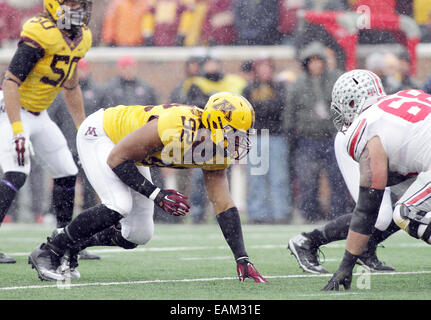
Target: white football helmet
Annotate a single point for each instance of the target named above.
(350, 93)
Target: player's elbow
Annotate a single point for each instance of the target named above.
(10, 82)
(115, 159)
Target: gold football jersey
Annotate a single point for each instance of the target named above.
(178, 129)
(61, 56)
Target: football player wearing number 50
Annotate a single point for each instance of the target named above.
(44, 63)
(118, 145)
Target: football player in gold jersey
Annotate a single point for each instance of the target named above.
(44, 63)
(118, 145)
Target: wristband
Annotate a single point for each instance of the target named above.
(17, 127)
(154, 194)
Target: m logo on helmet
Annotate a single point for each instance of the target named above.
(226, 108)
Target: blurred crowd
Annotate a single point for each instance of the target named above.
(292, 105)
(210, 22)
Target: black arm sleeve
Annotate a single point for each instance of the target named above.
(130, 175)
(24, 60)
(366, 211)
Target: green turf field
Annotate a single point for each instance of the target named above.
(193, 262)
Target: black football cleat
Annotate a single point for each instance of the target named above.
(306, 254)
(85, 255)
(46, 262)
(370, 262)
(6, 259)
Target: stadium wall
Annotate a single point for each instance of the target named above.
(163, 68)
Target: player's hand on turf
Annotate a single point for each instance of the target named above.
(340, 277)
(22, 149)
(246, 269)
(172, 202)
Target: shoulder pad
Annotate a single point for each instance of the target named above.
(37, 31)
(356, 140)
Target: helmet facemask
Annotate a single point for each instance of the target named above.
(70, 19)
(230, 119)
(337, 117)
(237, 142)
(342, 119)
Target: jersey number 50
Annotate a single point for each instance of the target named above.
(63, 74)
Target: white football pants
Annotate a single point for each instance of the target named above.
(94, 147)
(48, 143)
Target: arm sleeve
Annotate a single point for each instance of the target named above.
(24, 59)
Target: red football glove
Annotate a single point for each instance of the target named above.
(246, 269)
(172, 202)
(22, 149)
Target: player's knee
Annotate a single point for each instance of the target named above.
(15, 179)
(139, 236)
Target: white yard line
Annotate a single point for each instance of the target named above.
(222, 247)
(101, 284)
(162, 249)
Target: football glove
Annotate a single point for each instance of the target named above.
(340, 277)
(22, 149)
(246, 269)
(343, 275)
(172, 202)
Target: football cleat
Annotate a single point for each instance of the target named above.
(69, 264)
(306, 254)
(372, 263)
(46, 262)
(6, 259)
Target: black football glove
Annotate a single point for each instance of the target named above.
(246, 269)
(343, 276)
(172, 202)
(340, 277)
